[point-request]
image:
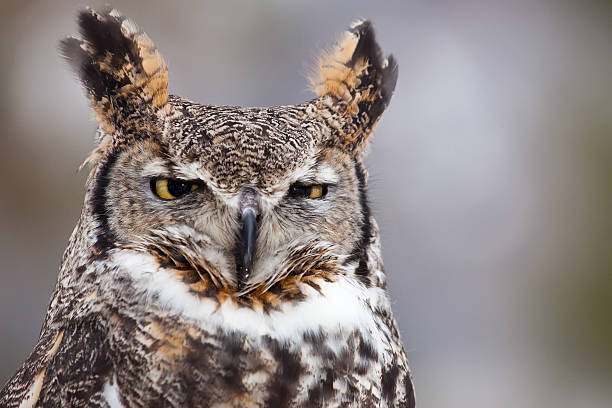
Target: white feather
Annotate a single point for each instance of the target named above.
(111, 394)
(341, 306)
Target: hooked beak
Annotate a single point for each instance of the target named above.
(248, 238)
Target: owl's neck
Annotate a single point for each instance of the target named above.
(341, 301)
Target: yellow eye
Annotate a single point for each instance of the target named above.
(313, 191)
(171, 189)
(316, 191)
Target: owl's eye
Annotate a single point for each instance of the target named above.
(171, 189)
(312, 191)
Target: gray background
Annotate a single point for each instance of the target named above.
(490, 172)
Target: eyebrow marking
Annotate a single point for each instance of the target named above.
(320, 174)
(155, 168)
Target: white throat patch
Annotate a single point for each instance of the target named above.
(342, 305)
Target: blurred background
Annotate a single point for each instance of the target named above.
(491, 172)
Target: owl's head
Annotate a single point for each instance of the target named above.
(234, 199)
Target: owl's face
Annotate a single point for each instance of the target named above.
(192, 200)
(241, 197)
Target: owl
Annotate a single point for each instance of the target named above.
(225, 256)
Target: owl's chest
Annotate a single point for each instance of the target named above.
(186, 364)
(331, 346)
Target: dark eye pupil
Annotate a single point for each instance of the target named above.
(300, 191)
(178, 188)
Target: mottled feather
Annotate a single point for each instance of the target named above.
(149, 309)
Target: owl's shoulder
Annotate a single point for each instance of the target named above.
(67, 367)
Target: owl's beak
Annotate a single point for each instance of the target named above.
(248, 237)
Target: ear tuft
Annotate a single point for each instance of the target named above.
(120, 68)
(358, 79)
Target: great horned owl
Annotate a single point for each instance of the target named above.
(225, 256)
